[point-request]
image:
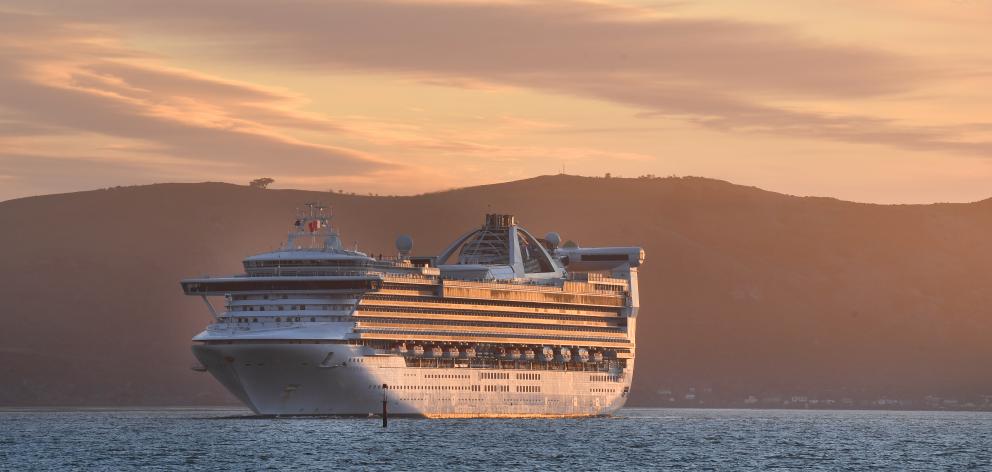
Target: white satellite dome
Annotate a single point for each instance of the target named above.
(404, 244)
(553, 238)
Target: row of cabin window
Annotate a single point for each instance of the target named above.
(496, 388)
(272, 297)
(508, 314)
(528, 376)
(604, 378)
(483, 302)
(612, 288)
(308, 272)
(603, 390)
(446, 376)
(542, 297)
(288, 319)
(306, 262)
(462, 399)
(473, 388)
(293, 307)
(529, 388)
(488, 324)
(394, 331)
(494, 375)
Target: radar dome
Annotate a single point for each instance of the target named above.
(404, 244)
(553, 239)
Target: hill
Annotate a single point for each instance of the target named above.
(744, 292)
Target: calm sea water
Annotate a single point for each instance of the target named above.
(636, 439)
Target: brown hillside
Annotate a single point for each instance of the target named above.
(744, 291)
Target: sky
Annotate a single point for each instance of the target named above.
(875, 101)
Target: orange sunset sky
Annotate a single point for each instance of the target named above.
(876, 101)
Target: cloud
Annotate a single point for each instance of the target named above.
(517, 40)
(722, 74)
(64, 78)
(78, 110)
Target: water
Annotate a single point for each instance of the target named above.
(636, 439)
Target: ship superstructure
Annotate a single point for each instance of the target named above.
(500, 324)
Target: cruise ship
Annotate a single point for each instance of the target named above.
(499, 324)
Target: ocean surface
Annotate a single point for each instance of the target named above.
(635, 439)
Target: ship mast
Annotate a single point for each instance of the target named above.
(313, 223)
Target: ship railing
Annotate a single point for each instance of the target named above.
(313, 273)
(571, 287)
(402, 261)
(531, 286)
(567, 339)
(403, 275)
(605, 279)
(509, 364)
(516, 327)
(336, 273)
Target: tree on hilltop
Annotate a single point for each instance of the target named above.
(262, 183)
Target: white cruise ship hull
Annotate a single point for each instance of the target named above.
(316, 378)
(494, 326)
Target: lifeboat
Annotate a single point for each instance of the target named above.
(529, 354)
(453, 351)
(501, 352)
(436, 351)
(418, 350)
(400, 348)
(584, 355)
(548, 354)
(566, 354)
(470, 352)
(515, 354)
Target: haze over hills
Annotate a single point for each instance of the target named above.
(744, 292)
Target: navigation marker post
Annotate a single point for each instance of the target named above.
(385, 415)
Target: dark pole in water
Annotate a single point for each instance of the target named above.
(385, 415)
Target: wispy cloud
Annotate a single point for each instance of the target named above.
(721, 74)
(63, 77)
(67, 80)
